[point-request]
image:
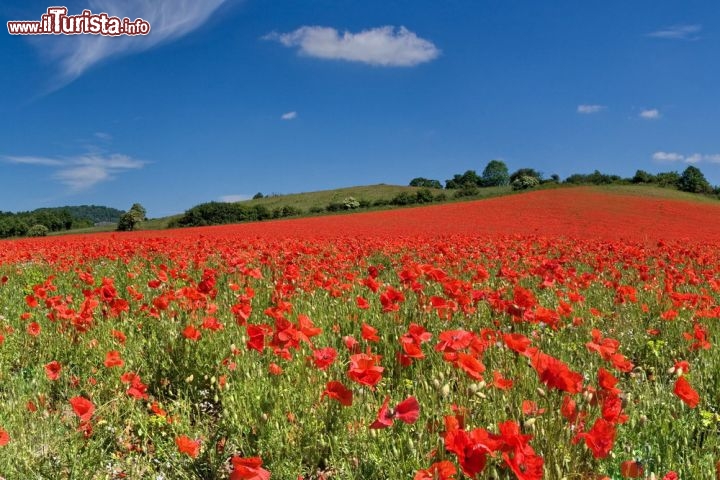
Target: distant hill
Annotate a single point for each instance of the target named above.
(94, 213)
(55, 220)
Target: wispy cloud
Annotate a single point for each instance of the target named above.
(234, 198)
(169, 19)
(383, 46)
(678, 32)
(289, 116)
(103, 136)
(665, 157)
(650, 114)
(83, 171)
(589, 109)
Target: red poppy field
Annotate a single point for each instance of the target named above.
(564, 334)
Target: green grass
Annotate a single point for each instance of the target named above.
(322, 198)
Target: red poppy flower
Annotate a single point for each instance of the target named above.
(324, 357)
(364, 369)
(600, 438)
(83, 408)
(188, 446)
(631, 469)
(369, 333)
(113, 359)
(33, 329)
(407, 411)
(437, 471)
(339, 392)
(686, 393)
(191, 333)
(52, 370)
(4, 437)
(248, 469)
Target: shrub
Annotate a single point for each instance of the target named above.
(425, 182)
(424, 195)
(467, 191)
(404, 198)
(350, 203)
(38, 230)
(525, 182)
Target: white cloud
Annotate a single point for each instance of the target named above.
(169, 19)
(650, 114)
(589, 109)
(692, 158)
(678, 32)
(103, 136)
(234, 198)
(668, 157)
(289, 116)
(83, 171)
(383, 46)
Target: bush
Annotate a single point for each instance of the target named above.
(350, 203)
(425, 182)
(525, 182)
(38, 231)
(365, 204)
(467, 191)
(424, 195)
(404, 198)
(315, 209)
(381, 202)
(440, 197)
(258, 195)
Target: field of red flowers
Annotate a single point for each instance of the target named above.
(564, 334)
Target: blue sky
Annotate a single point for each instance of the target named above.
(225, 98)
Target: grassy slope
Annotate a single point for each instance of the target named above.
(371, 193)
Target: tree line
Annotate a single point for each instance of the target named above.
(496, 174)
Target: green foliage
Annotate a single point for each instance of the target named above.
(595, 178)
(692, 180)
(641, 176)
(425, 182)
(467, 191)
(258, 195)
(525, 182)
(220, 213)
(667, 179)
(495, 174)
(404, 198)
(38, 230)
(132, 218)
(350, 203)
(54, 219)
(468, 179)
(525, 172)
(424, 195)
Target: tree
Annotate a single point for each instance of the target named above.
(525, 172)
(258, 195)
(495, 174)
(38, 230)
(130, 219)
(425, 183)
(468, 179)
(641, 176)
(693, 180)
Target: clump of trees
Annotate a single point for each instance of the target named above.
(220, 213)
(53, 219)
(132, 218)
